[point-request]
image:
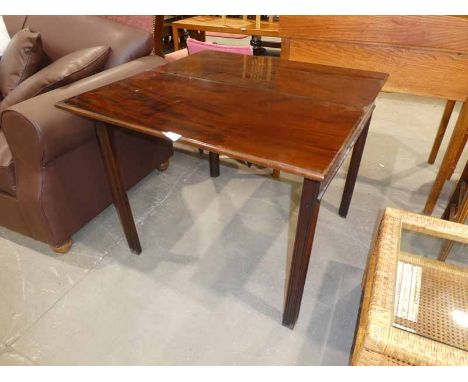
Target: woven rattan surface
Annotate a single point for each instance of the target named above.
(378, 341)
(443, 293)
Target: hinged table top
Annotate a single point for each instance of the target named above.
(294, 117)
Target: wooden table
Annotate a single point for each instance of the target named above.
(230, 25)
(314, 116)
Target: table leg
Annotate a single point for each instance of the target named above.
(353, 170)
(175, 37)
(457, 141)
(116, 182)
(457, 157)
(305, 231)
(214, 165)
(461, 215)
(441, 130)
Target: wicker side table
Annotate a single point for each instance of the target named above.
(414, 309)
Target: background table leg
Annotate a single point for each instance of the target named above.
(214, 165)
(305, 231)
(441, 130)
(452, 154)
(353, 170)
(175, 37)
(117, 185)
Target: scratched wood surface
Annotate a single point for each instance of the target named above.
(294, 117)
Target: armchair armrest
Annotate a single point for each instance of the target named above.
(37, 131)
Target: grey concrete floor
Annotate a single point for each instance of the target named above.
(208, 287)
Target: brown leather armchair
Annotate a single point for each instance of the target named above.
(52, 179)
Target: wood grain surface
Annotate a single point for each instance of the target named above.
(423, 55)
(293, 117)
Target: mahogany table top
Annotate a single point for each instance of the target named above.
(295, 117)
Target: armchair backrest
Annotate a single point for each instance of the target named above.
(62, 35)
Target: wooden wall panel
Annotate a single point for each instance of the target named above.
(423, 55)
(438, 32)
(425, 73)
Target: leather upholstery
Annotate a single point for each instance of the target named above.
(41, 126)
(60, 179)
(62, 35)
(14, 23)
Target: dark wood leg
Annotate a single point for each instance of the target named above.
(214, 165)
(441, 131)
(201, 152)
(305, 231)
(158, 39)
(256, 43)
(116, 182)
(353, 170)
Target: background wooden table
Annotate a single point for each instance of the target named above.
(228, 25)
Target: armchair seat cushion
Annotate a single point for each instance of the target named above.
(7, 168)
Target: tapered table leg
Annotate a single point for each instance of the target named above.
(441, 130)
(214, 165)
(353, 170)
(305, 231)
(116, 182)
(457, 142)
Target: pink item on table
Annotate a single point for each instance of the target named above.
(195, 46)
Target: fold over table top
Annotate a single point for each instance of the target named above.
(294, 117)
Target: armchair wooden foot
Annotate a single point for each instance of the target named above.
(163, 166)
(62, 248)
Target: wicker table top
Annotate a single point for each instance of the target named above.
(432, 301)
